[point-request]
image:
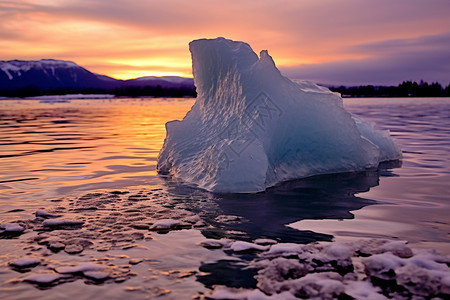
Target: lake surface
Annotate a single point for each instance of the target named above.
(95, 161)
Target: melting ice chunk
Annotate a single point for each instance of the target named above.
(11, 228)
(251, 127)
(80, 268)
(43, 279)
(25, 262)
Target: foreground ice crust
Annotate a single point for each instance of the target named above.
(251, 128)
(365, 269)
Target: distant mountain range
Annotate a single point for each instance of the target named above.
(19, 78)
(49, 76)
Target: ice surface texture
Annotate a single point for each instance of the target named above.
(251, 128)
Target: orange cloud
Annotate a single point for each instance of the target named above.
(127, 39)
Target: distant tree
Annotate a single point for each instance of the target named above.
(408, 89)
(404, 89)
(435, 90)
(446, 92)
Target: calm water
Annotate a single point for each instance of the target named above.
(92, 160)
(54, 149)
(413, 201)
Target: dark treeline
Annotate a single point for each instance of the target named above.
(130, 91)
(405, 89)
(155, 91)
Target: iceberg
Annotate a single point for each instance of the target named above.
(251, 128)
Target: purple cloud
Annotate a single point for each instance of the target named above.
(388, 62)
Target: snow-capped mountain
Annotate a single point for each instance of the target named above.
(164, 81)
(16, 68)
(169, 79)
(49, 74)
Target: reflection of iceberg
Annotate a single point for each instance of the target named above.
(266, 215)
(318, 197)
(251, 128)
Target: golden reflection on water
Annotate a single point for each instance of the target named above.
(49, 149)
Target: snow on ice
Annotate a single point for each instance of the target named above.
(366, 269)
(251, 128)
(165, 224)
(241, 246)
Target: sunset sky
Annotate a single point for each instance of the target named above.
(328, 41)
